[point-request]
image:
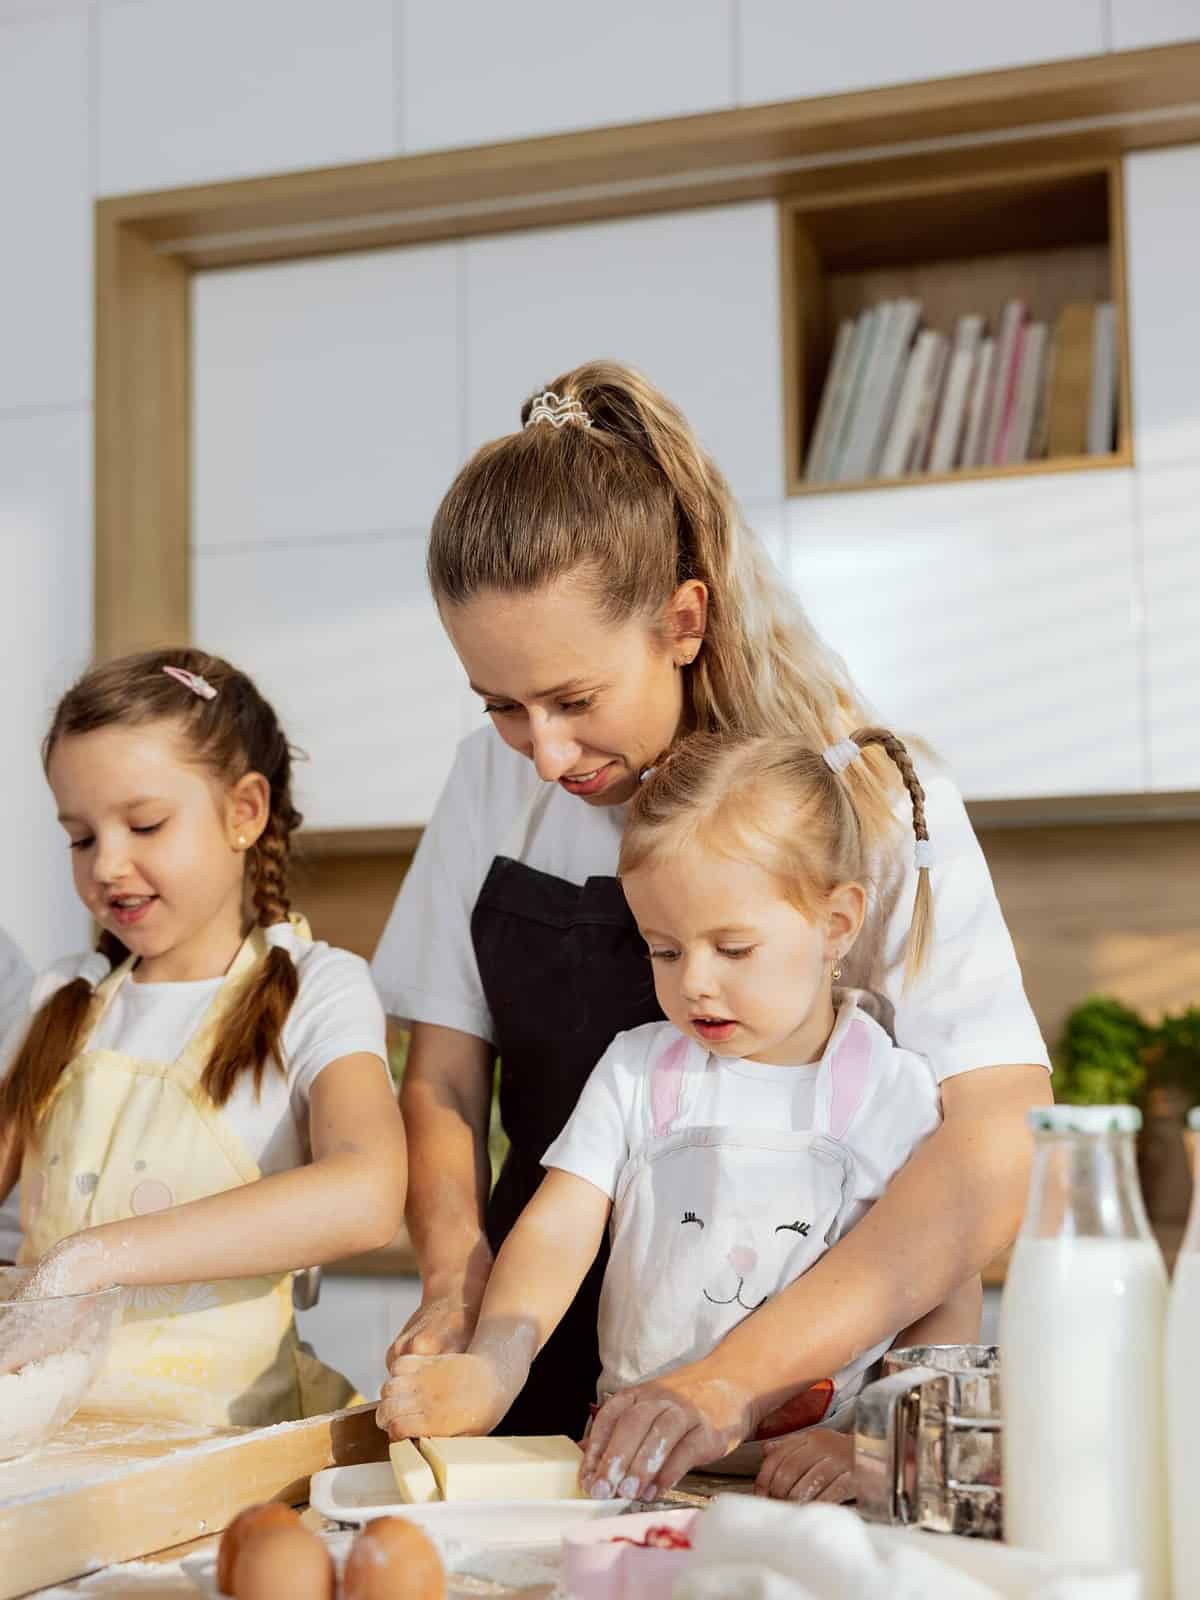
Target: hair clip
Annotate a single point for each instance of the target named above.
(548, 407)
(923, 855)
(193, 681)
(837, 757)
(645, 773)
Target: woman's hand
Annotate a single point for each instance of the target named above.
(444, 1321)
(442, 1394)
(817, 1464)
(646, 1438)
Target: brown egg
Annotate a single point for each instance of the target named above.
(392, 1559)
(274, 1514)
(283, 1563)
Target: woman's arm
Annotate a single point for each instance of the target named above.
(946, 1214)
(956, 1321)
(536, 1277)
(348, 1199)
(446, 1098)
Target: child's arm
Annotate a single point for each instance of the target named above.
(350, 1198)
(956, 1321)
(536, 1276)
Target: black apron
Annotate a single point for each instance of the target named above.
(563, 969)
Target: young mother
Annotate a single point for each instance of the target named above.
(596, 582)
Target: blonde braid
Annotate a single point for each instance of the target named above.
(921, 930)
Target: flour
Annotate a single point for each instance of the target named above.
(37, 1397)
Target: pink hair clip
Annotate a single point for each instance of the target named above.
(193, 681)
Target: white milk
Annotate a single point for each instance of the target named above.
(1081, 1352)
(1183, 1424)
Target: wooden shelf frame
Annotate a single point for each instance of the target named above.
(969, 242)
(147, 246)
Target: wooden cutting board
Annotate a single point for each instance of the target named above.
(110, 1488)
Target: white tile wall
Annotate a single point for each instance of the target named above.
(691, 298)
(472, 74)
(995, 619)
(795, 48)
(343, 638)
(1170, 513)
(325, 396)
(192, 93)
(1137, 24)
(1163, 210)
(45, 640)
(45, 260)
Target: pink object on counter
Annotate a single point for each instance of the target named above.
(605, 1560)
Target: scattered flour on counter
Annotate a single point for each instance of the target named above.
(35, 1397)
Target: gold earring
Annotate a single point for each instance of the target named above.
(837, 969)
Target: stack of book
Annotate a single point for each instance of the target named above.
(901, 399)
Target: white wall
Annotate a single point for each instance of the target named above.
(107, 96)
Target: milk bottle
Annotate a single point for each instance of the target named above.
(1081, 1352)
(1183, 1402)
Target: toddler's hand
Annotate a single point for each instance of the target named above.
(817, 1464)
(441, 1395)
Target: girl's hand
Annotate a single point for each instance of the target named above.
(78, 1264)
(74, 1266)
(817, 1464)
(646, 1438)
(443, 1394)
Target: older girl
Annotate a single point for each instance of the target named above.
(200, 1105)
(604, 598)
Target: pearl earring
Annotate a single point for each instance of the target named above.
(837, 970)
(242, 840)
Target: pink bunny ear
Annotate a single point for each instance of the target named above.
(848, 1069)
(666, 1085)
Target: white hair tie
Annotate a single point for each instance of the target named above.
(923, 855)
(280, 936)
(838, 757)
(557, 410)
(94, 968)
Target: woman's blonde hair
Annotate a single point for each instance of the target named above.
(632, 507)
(231, 734)
(779, 803)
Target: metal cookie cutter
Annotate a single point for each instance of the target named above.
(927, 1441)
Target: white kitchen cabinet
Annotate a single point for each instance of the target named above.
(691, 298)
(325, 396)
(1139, 24)
(197, 93)
(996, 619)
(1170, 516)
(791, 49)
(1163, 221)
(475, 74)
(45, 264)
(343, 638)
(45, 642)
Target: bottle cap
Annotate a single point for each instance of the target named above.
(1084, 1119)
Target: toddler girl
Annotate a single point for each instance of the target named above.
(201, 1105)
(729, 1146)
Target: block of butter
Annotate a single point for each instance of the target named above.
(413, 1474)
(537, 1467)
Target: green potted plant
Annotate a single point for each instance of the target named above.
(1100, 1060)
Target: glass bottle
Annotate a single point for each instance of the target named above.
(1082, 1352)
(1183, 1387)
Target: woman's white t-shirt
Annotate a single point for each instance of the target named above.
(968, 1008)
(336, 1013)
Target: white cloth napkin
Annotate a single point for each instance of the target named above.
(747, 1548)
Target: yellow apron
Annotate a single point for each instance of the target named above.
(122, 1137)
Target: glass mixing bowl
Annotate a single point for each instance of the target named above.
(50, 1351)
